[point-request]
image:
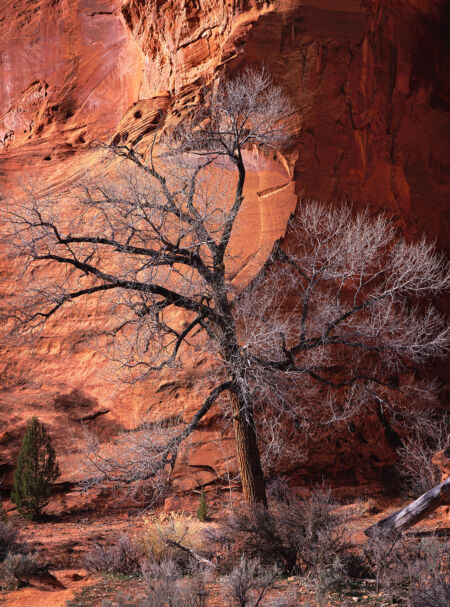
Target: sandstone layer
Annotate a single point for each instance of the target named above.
(369, 81)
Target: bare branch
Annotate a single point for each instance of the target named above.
(336, 323)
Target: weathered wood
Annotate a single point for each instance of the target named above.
(197, 556)
(414, 512)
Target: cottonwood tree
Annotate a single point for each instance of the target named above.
(317, 334)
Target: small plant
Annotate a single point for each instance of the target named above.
(202, 510)
(36, 469)
(123, 557)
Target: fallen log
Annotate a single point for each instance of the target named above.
(414, 512)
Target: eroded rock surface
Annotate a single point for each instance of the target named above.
(369, 81)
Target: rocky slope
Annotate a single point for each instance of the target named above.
(369, 80)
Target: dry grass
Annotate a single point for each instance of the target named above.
(160, 533)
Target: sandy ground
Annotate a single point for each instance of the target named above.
(43, 597)
(62, 544)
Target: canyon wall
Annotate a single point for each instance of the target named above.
(370, 83)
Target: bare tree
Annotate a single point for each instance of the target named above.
(331, 313)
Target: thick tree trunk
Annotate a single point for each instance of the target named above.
(414, 512)
(252, 476)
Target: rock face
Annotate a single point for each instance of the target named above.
(369, 80)
(441, 459)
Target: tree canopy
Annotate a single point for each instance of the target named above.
(319, 335)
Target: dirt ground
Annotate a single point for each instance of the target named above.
(62, 541)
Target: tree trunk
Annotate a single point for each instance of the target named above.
(414, 512)
(252, 476)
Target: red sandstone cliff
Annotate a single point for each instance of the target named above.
(370, 83)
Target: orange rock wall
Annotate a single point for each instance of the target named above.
(369, 80)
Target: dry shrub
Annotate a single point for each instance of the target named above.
(161, 534)
(167, 587)
(432, 585)
(249, 582)
(300, 536)
(18, 569)
(122, 557)
(435, 593)
(390, 560)
(329, 577)
(403, 565)
(277, 489)
(15, 565)
(8, 540)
